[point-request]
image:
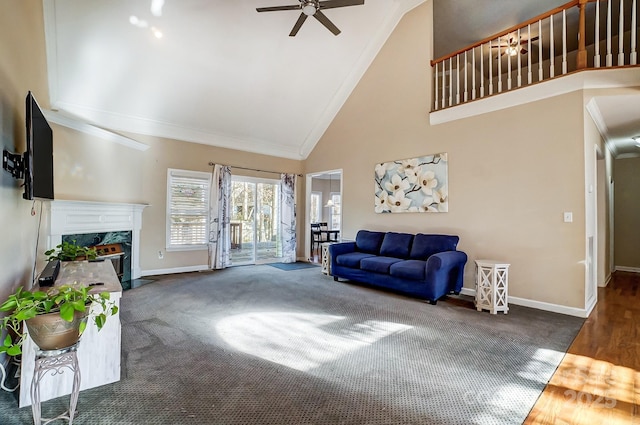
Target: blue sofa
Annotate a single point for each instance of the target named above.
(426, 266)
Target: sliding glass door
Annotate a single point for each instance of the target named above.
(255, 223)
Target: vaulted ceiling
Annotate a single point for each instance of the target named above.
(218, 72)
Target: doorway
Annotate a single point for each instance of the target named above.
(324, 205)
(255, 224)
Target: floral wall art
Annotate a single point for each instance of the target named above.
(412, 185)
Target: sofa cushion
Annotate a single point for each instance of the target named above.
(396, 245)
(369, 242)
(352, 259)
(378, 264)
(409, 269)
(424, 246)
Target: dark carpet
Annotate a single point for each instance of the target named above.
(252, 345)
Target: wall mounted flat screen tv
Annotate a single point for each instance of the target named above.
(38, 159)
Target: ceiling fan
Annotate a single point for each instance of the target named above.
(513, 45)
(313, 8)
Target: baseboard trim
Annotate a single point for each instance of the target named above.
(606, 281)
(187, 269)
(627, 269)
(540, 305)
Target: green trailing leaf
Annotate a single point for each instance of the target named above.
(78, 305)
(8, 341)
(100, 320)
(83, 326)
(14, 350)
(9, 304)
(66, 312)
(105, 295)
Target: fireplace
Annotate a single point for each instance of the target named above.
(99, 223)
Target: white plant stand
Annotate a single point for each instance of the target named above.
(492, 284)
(326, 259)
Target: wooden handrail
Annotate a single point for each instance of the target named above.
(540, 17)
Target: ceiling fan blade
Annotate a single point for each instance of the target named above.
(326, 22)
(332, 4)
(277, 8)
(523, 51)
(298, 24)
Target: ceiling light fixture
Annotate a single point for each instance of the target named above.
(156, 7)
(330, 201)
(512, 51)
(310, 8)
(637, 140)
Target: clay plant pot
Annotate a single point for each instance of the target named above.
(50, 332)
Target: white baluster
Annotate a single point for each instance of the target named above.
(621, 35)
(490, 70)
(609, 58)
(499, 69)
(435, 95)
(444, 85)
(564, 41)
(519, 62)
(596, 57)
(540, 58)
(466, 93)
(482, 69)
(473, 73)
(552, 54)
(634, 55)
(509, 68)
(529, 75)
(457, 79)
(450, 81)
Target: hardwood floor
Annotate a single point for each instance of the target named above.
(598, 382)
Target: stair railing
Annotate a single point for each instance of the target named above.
(563, 40)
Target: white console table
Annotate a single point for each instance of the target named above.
(98, 352)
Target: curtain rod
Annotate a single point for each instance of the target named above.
(211, 164)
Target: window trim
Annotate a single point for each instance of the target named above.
(174, 172)
(319, 209)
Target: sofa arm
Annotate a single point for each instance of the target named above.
(446, 270)
(336, 249)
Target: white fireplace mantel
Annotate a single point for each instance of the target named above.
(78, 217)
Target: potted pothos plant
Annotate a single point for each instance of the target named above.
(70, 251)
(55, 319)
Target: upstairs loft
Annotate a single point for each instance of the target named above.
(545, 56)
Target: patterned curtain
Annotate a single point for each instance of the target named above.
(288, 217)
(219, 216)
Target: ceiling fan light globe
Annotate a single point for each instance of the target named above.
(309, 9)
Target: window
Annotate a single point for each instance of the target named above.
(316, 207)
(335, 210)
(187, 209)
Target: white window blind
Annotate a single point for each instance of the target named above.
(187, 209)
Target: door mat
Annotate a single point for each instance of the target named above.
(298, 265)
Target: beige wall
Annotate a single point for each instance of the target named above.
(512, 173)
(627, 211)
(22, 68)
(164, 154)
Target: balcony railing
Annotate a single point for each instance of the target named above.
(582, 34)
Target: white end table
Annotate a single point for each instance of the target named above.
(492, 280)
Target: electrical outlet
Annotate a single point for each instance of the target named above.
(568, 217)
(160, 254)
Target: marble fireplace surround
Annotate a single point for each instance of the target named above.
(78, 217)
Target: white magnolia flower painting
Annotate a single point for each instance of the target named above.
(412, 185)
